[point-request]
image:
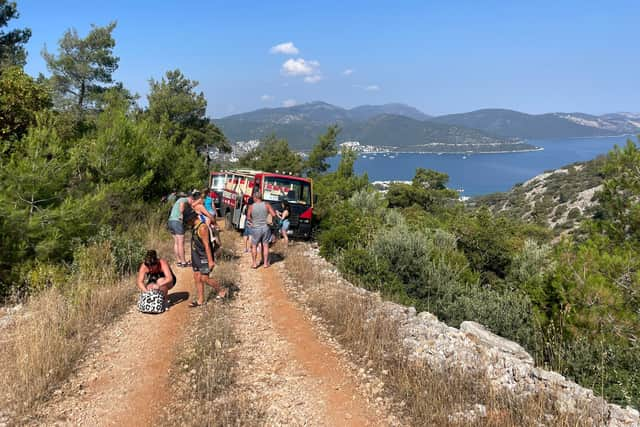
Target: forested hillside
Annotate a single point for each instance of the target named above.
(573, 304)
(80, 161)
(509, 123)
(558, 199)
(392, 126)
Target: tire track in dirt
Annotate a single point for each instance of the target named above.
(300, 379)
(123, 380)
(281, 349)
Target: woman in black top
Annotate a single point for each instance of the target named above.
(155, 273)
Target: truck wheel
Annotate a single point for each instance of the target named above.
(227, 221)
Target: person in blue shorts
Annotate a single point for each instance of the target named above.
(283, 214)
(258, 213)
(176, 228)
(246, 234)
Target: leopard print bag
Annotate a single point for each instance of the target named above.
(151, 302)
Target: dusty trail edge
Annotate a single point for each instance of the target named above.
(299, 377)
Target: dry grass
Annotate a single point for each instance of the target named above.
(424, 395)
(44, 344)
(205, 377)
(50, 334)
(155, 235)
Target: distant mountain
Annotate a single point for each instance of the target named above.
(407, 134)
(365, 112)
(619, 123)
(321, 112)
(509, 123)
(312, 112)
(380, 126)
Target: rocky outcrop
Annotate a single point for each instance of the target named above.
(505, 363)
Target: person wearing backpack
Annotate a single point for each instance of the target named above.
(202, 260)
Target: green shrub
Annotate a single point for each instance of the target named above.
(506, 313)
(370, 272)
(127, 251)
(38, 276)
(345, 227)
(368, 201)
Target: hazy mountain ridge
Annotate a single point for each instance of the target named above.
(619, 123)
(405, 128)
(393, 126)
(510, 123)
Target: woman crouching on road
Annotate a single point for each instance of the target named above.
(155, 273)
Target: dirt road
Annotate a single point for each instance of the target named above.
(285, 362)
(296, 376)
(124, 378)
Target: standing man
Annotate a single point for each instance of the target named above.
(201, 257)
(176, 228)
(260, 231)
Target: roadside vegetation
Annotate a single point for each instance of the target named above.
(424, 395)
(204, 387)
(573, 304)
(83, 168)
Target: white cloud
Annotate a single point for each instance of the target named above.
(289, 102)
(299, 67)
(369, 88)
(348, 72)
(266, 98)
(313, 79)
(287, 48)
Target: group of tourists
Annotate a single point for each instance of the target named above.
(197, 212)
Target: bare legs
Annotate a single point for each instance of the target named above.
(264, 248)
(202, 279)
(265, 254)
(254, 255)
(178, 248)
(163, 284)
(285, 237)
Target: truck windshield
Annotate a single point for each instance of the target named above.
(217, 182)
(292, 190)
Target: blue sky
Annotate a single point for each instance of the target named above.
(439, 56)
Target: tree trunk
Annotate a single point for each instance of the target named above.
(81, 95)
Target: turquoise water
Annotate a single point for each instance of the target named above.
(487, 173)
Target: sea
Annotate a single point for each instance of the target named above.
(478, 174)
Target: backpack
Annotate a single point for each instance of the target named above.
(151, 302)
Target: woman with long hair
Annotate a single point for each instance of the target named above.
(283, 214)
(155, 273)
